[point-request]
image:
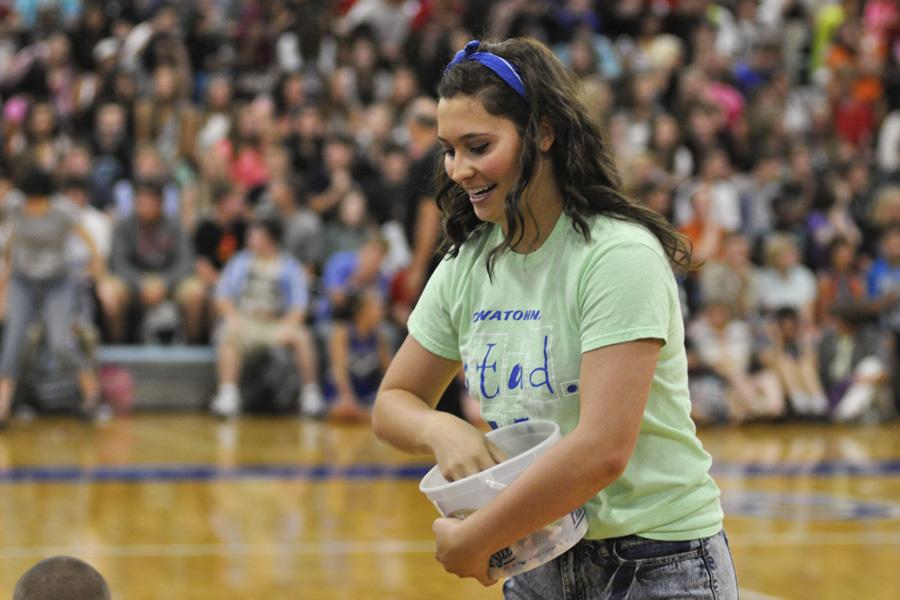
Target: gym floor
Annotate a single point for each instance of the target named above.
(181, 506)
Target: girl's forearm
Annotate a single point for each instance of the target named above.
(571, 472)
(404, 421)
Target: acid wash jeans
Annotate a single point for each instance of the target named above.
(632, 568)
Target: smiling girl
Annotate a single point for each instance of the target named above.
(558, 300)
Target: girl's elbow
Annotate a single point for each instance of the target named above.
(603, 461)
(608, 465)
(613, 465)
(379, 422)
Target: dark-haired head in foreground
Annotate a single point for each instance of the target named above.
(61, 578)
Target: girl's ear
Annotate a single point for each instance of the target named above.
(546, 136)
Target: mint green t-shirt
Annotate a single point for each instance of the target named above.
(520, 341)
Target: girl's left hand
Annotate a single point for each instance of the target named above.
(456, 557)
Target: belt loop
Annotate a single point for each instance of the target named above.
(568, 575)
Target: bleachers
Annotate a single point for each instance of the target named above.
(166, 377)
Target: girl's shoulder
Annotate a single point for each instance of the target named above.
(609, 233)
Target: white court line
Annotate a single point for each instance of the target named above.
(391, 546)
(752, 595)
(850, 538)
(224, 549)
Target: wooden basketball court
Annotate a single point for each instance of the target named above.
(181, 506)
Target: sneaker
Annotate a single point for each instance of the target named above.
(227, 402)
(25, 413)
(97, 413)
(103, 413)
(312, 404)
(855, 402)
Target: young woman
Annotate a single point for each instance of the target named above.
(558, 301)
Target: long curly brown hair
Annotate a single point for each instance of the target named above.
(580, 155)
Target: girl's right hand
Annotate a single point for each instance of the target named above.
(459, 448)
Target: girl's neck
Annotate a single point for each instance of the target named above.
(542, 204)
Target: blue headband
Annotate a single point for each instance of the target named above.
(497, 64)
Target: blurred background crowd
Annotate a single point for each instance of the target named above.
(253, 174)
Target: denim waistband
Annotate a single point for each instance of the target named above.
(630, 543)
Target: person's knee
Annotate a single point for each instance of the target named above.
(305, 334)
(191, 294)
(289, 337)
(302, 340)
(112, 294)
(231, 331)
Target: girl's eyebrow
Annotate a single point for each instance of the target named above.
(466, 136)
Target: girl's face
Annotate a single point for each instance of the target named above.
(405, 86)
(219, 95)
(843, 257)
(43, 120)
(164, 83)
(310, 123)
(666, 132)
(481, 154)
(352, 211)
(294, 92)
(371, 311)
(786, 258)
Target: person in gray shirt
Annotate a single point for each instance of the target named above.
(150, 263)
(40, 282)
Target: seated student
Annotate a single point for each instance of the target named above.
(353, 270)
(62, 577)
(785, 281)
(350, 227)
(724, 353)
(359, 352)
(262, 298)
(729, 278)
(303, 235)
(217, 238)
(151, 261)
(792, 354)
(854, 359)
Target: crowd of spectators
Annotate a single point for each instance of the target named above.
(256, 173)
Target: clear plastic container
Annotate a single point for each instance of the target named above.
(523, 443)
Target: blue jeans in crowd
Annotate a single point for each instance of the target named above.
(632, 568)
(54, 298)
